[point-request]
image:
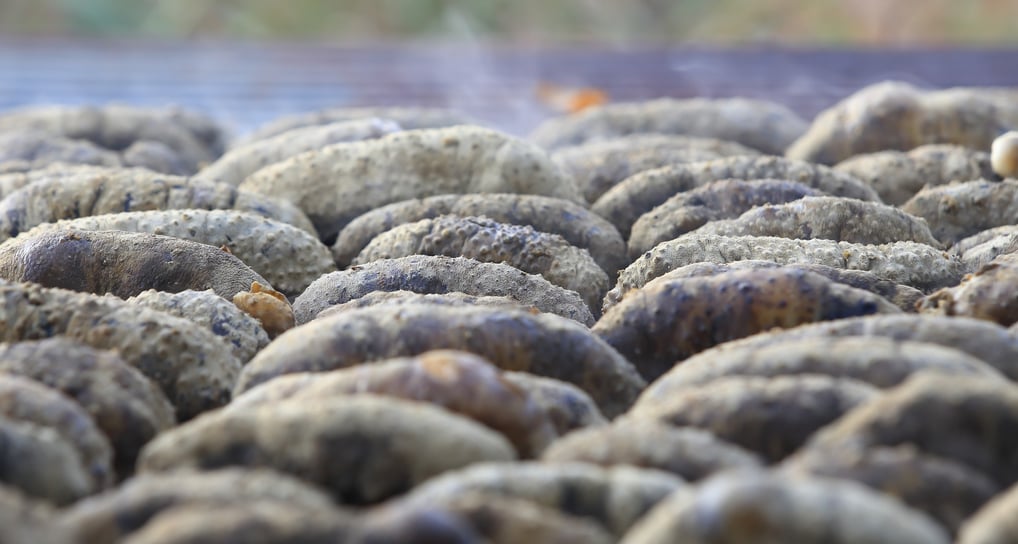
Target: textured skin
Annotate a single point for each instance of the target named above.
(600, 165)
(335, 184)
(762, 125)
(377, 298)
(947, 491)
(691, 454)
(17, 174)
(995, 523)
(897, 116)
(241, 161)
(569, 220)
(288, 257)
(196, 139)
(240, 331)
(989, 342)
(363, 449)
(25, 520)
(126, 406)
(961, 419)
(880, 362)
(960, 210)
(544, 344)
(897, 175)
(39, 150)
(255, 522)
(772, 417)
(829, 218)
(28, 401)
(616, 497)
(989, 293)
(763, 508)
(723, 199)
(407, 117)
(457, 381)
(982, 248)
(481, 239)
(902, 296)
(639, 194)
(41, 463)
(669, 320)
(191, 365)
(438, 275)
(122, 263)
(567, 406)
(909, 263)
(487, 518)
(109, 517)
(156, 156)
(101, 191)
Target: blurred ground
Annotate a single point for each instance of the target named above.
(838, 22)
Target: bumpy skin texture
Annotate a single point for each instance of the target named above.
(438, 275)
(457, 381)
(255, 522)
(724, 199)
(288, 257)
(363, 449)
(242, 332)
(569, 220)
(567, 406)
(902, 296)
(241, 161)
(196, 139)
(42, 464)
(109, 517)
(772, 417)
(481, 239)
(958, 418)
(193, 367)
(669, 320)
(691, 454)
(39, 149)
(335, 184)
(960, 210)
(407, 117)
(544, 344)
(26, 520)
(987, 341)
(616, 497)
(122, 263)
(995, 523)
(126, 406)
(909, 263)
(897, 176)
(764, 508)
(17, 174)
(27, 401)
(880, 362)
(97, 192)
(600, 165)
(829, 218)
(897, 116)
(639, 194)
(946, 491)
(981, 248)
(476, 517)
(762, 125)
(378, 298)
(990, 294)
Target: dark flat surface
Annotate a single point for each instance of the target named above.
(245, 85)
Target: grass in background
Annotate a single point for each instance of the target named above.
(875, 22)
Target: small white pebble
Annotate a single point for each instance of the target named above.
(1004, 155)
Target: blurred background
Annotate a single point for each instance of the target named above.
(829, 22)
(506, 62)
